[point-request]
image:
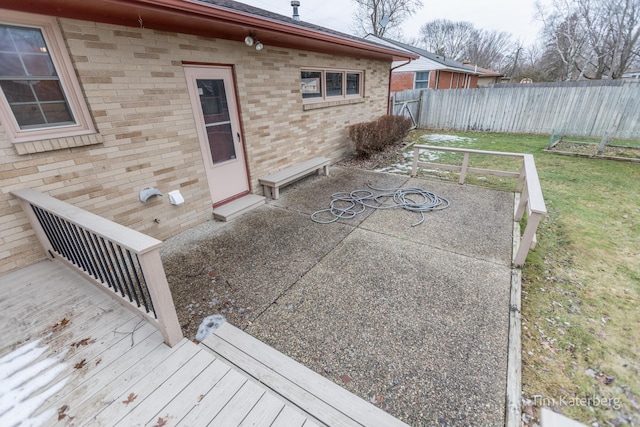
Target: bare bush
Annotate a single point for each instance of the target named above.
(373, 136)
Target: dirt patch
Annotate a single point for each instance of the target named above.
(590, 149)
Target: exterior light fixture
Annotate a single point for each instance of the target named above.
(251, 40)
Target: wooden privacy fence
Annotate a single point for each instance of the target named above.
(531, 200)
(578, 109)
(123, 263)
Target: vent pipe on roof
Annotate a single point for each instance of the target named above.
(295, 5)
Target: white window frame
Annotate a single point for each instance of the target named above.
(328, 98)
(61, 61)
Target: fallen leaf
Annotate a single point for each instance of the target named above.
(98, 362)
(606, 379)
(80, 364)
(130, 398)
(59, 325)
(345, 379)
(62, 412)
(379, 400)
(200, 398)
(83, 342)
(161, 422)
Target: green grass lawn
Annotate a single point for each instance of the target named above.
(581, 286)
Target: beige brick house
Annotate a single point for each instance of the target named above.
(103, 98)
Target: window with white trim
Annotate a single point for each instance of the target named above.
(421, 80)
(40, 97)
(330, 85)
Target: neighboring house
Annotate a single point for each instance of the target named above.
(103, 98)
(487, 77)
(632, 75)
(429, 71)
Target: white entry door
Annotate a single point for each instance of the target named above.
(218, 124)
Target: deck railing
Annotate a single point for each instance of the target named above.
(531, 200)
(124, 263)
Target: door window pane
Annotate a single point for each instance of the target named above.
(29, 80)
(215, 111)
(221, 143)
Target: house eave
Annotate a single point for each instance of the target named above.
(207, 20)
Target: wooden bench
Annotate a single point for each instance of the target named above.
(273, 182)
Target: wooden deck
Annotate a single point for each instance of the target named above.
(71, 355)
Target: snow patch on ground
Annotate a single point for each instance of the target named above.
(405, 166)
(437, 137)
(25, 385)
(407, 161)
(208, 325)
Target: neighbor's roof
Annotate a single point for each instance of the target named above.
(444, 63)
(225, 19)
(485, 71)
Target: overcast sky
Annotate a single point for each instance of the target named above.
(513, 16)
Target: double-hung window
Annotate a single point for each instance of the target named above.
(330, 85)
(421, 80)
(40, 97)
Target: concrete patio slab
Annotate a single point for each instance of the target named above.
(473, 225)
(421, 333)
(241, 269)
(413, 319)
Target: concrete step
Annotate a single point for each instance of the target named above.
(239, 206)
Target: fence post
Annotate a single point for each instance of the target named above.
(420, 103)
(603, 143)
(156, 280)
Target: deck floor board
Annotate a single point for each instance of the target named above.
(117, 370)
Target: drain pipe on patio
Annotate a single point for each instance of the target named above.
(347, 205)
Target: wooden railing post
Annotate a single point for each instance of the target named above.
(522, 207)
(37, 228)
(156, 279)
(527, 241)
(416, 159)
(463, 171)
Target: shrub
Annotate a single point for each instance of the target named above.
(370, 137)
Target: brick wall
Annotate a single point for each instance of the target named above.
(450, 80)
(135, 88)
(402, 81)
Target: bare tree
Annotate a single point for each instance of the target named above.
(492, 49)
(463, 42)
(447, 38)
(591, 39)
(382, 17)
